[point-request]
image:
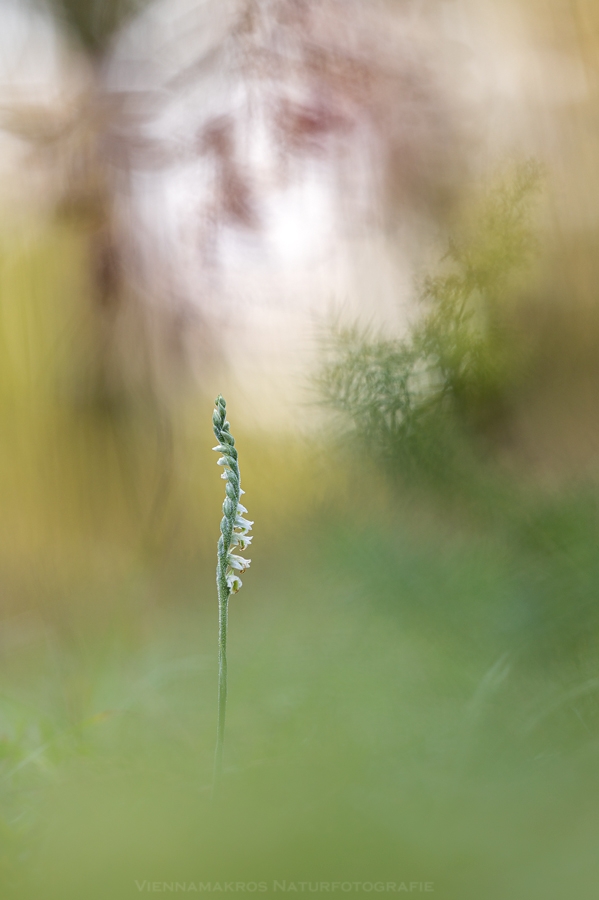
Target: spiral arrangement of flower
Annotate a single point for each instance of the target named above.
(234, 528)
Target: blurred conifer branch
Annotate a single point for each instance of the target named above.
(409, 399)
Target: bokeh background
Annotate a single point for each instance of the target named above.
(373, 226)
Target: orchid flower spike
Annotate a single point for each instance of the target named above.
(234, 527)
(233, 533)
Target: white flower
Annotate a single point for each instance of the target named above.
(233, 582)
(242, 523)
(238, 562)
(240, 540)
(234, 527)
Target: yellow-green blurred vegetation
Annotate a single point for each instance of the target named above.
(98, 479)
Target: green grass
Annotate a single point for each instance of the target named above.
(387, 722)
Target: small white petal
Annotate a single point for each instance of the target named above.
(238, 562)
(234, 583)
(241, 540)
(242, 523)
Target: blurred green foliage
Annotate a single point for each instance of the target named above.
(384, 726)
(426, 402)
(413, 683)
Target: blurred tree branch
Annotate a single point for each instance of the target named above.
(94, 22)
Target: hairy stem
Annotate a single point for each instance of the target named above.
(223, 604)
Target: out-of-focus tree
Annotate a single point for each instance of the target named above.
(437, 404)
(344, 85)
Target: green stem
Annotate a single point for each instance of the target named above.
(223, 603)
